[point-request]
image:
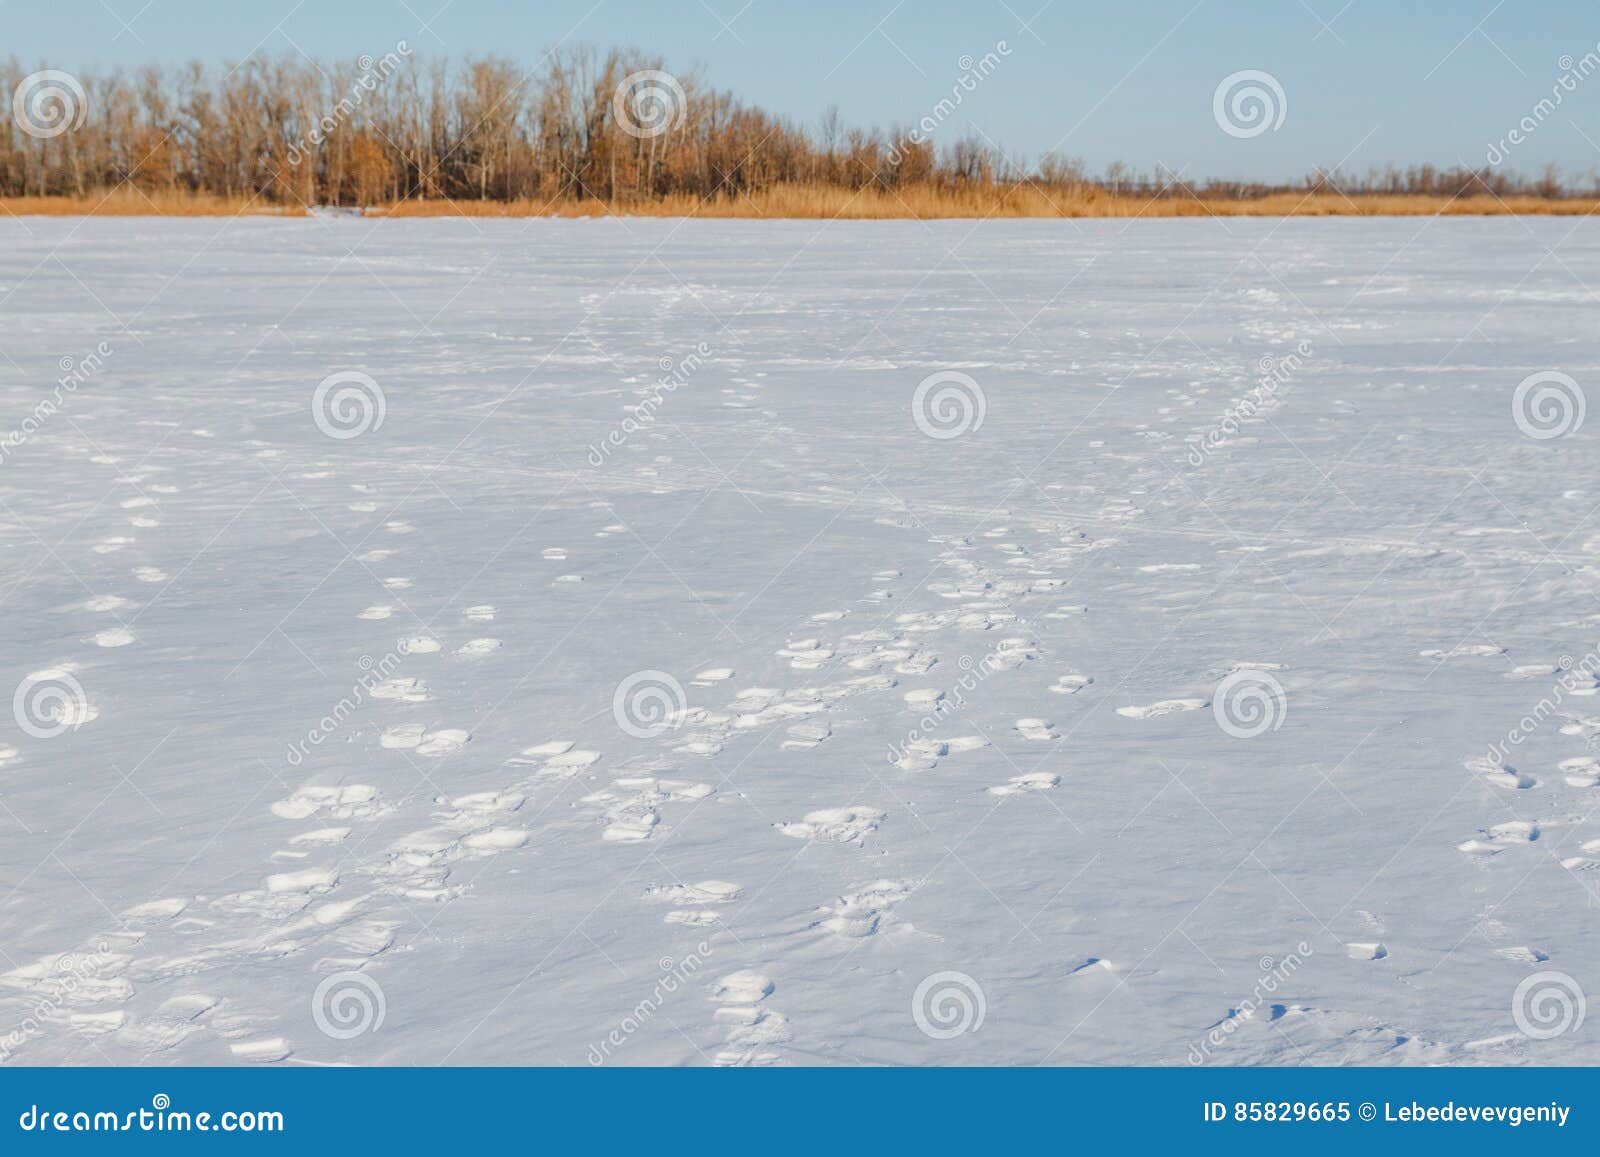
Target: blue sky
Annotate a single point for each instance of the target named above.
(1365, 82)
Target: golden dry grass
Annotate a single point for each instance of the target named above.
(130, 202)
(823, 202)
(810, 202)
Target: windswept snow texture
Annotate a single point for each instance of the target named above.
(664, 679)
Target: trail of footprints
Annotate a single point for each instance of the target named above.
(631, 808)
(89, 989)
(1522, 836)
(754, 1029)
(334, 911)
(304, 905)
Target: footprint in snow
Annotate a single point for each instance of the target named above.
(402, 689)
(806, 735)
(1466, 650)
(555, 759)
(1163, 707)
(1500, 837)
(1582, 771)
(1037, 730)
(631, 806)
(753, 1030)
(1500, 774)
(350, 801)
(846, 825)
(1029, 781)
(863, 910)
(690, 901)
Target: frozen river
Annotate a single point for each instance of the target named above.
(664, 642)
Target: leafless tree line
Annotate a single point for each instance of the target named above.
(289, 131)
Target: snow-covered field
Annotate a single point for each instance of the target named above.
(519, 729)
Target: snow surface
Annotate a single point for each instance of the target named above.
(490, 855)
